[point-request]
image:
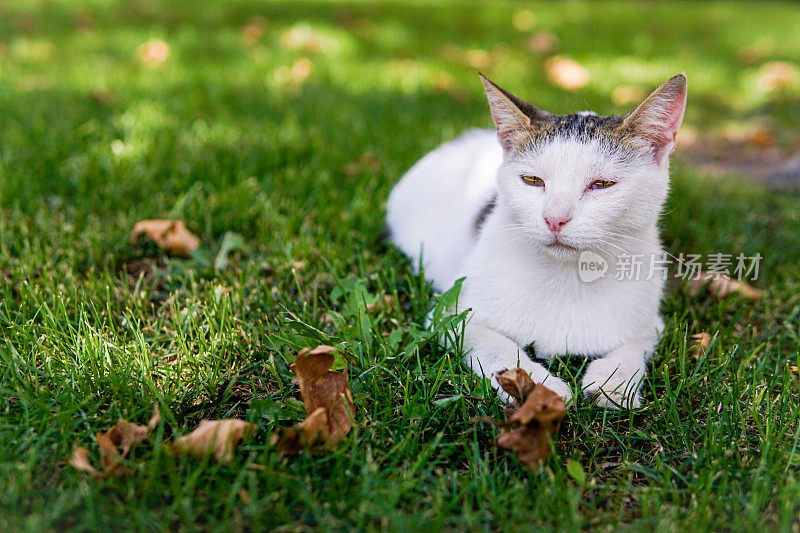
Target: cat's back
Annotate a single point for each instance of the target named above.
(433, 212)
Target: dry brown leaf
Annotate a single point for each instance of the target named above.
(217, 436)
(762, 138)
(123, 434)
(367, 162)
(110, 458)
(170, 235)
(80, 460)
(294, 76)
(155, 418)
(321, 387)
(254, 30)
(566, 73)
(532, 419)
(327, 397)
(700, 342)
(153, 53)
(516, 382)
(722, 286)
(478, 59)
(245, 497)
(307, 434)
(384, 304)
(543, 42)
(302, 37)
(778, 76)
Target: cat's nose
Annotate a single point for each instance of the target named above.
(556, 223)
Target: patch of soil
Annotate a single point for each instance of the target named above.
(755, 158)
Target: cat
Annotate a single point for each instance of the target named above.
(518, 210)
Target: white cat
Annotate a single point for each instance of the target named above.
(519, 217)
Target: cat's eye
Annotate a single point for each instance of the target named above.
(536, 181)
(601, 184)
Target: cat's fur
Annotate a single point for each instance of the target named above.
(463, 210)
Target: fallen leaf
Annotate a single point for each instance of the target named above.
(543, 42)
(302, 36)
(516, 382)
(110, 458)
(307, 434)
(687, 137)
(793, 369)
(762, 138)
(326, 395)
(478, 59)
(153, 53)
(254, 30)
(385, 303)
(245, 497)
(722, 286)
(155, 418)
(367, 162)
(566, 73)
(700, 342)
(123, 434)
(295, 75)
(217, 436)
(446, 83)
(170, 235)
(80, 460)
(778, 76)
(754, 53)
(532, 419)
(322, 387)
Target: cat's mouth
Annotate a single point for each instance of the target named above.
(560, 249)
(558, 243)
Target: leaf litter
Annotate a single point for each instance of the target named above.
(326, 395)
(115, 444)
(532, 419)
(169, 235)
(214, 436)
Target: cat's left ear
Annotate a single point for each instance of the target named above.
(656, 121)
(515, 119)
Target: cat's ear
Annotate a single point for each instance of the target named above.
(656, 121)
(514, 118)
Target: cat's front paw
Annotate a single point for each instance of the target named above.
(612, 385)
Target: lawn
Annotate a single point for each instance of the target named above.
(280, 127)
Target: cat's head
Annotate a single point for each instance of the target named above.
(583, 181)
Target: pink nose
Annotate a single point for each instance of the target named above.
(555, 223)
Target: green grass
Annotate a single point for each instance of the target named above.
(93, 328)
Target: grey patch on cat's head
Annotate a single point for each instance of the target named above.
(584, 126)
(628, 132)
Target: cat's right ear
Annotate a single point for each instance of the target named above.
(514, 118)
(656, 121)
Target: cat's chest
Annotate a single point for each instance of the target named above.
(556, 311)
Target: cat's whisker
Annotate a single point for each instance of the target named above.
(622, 235)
